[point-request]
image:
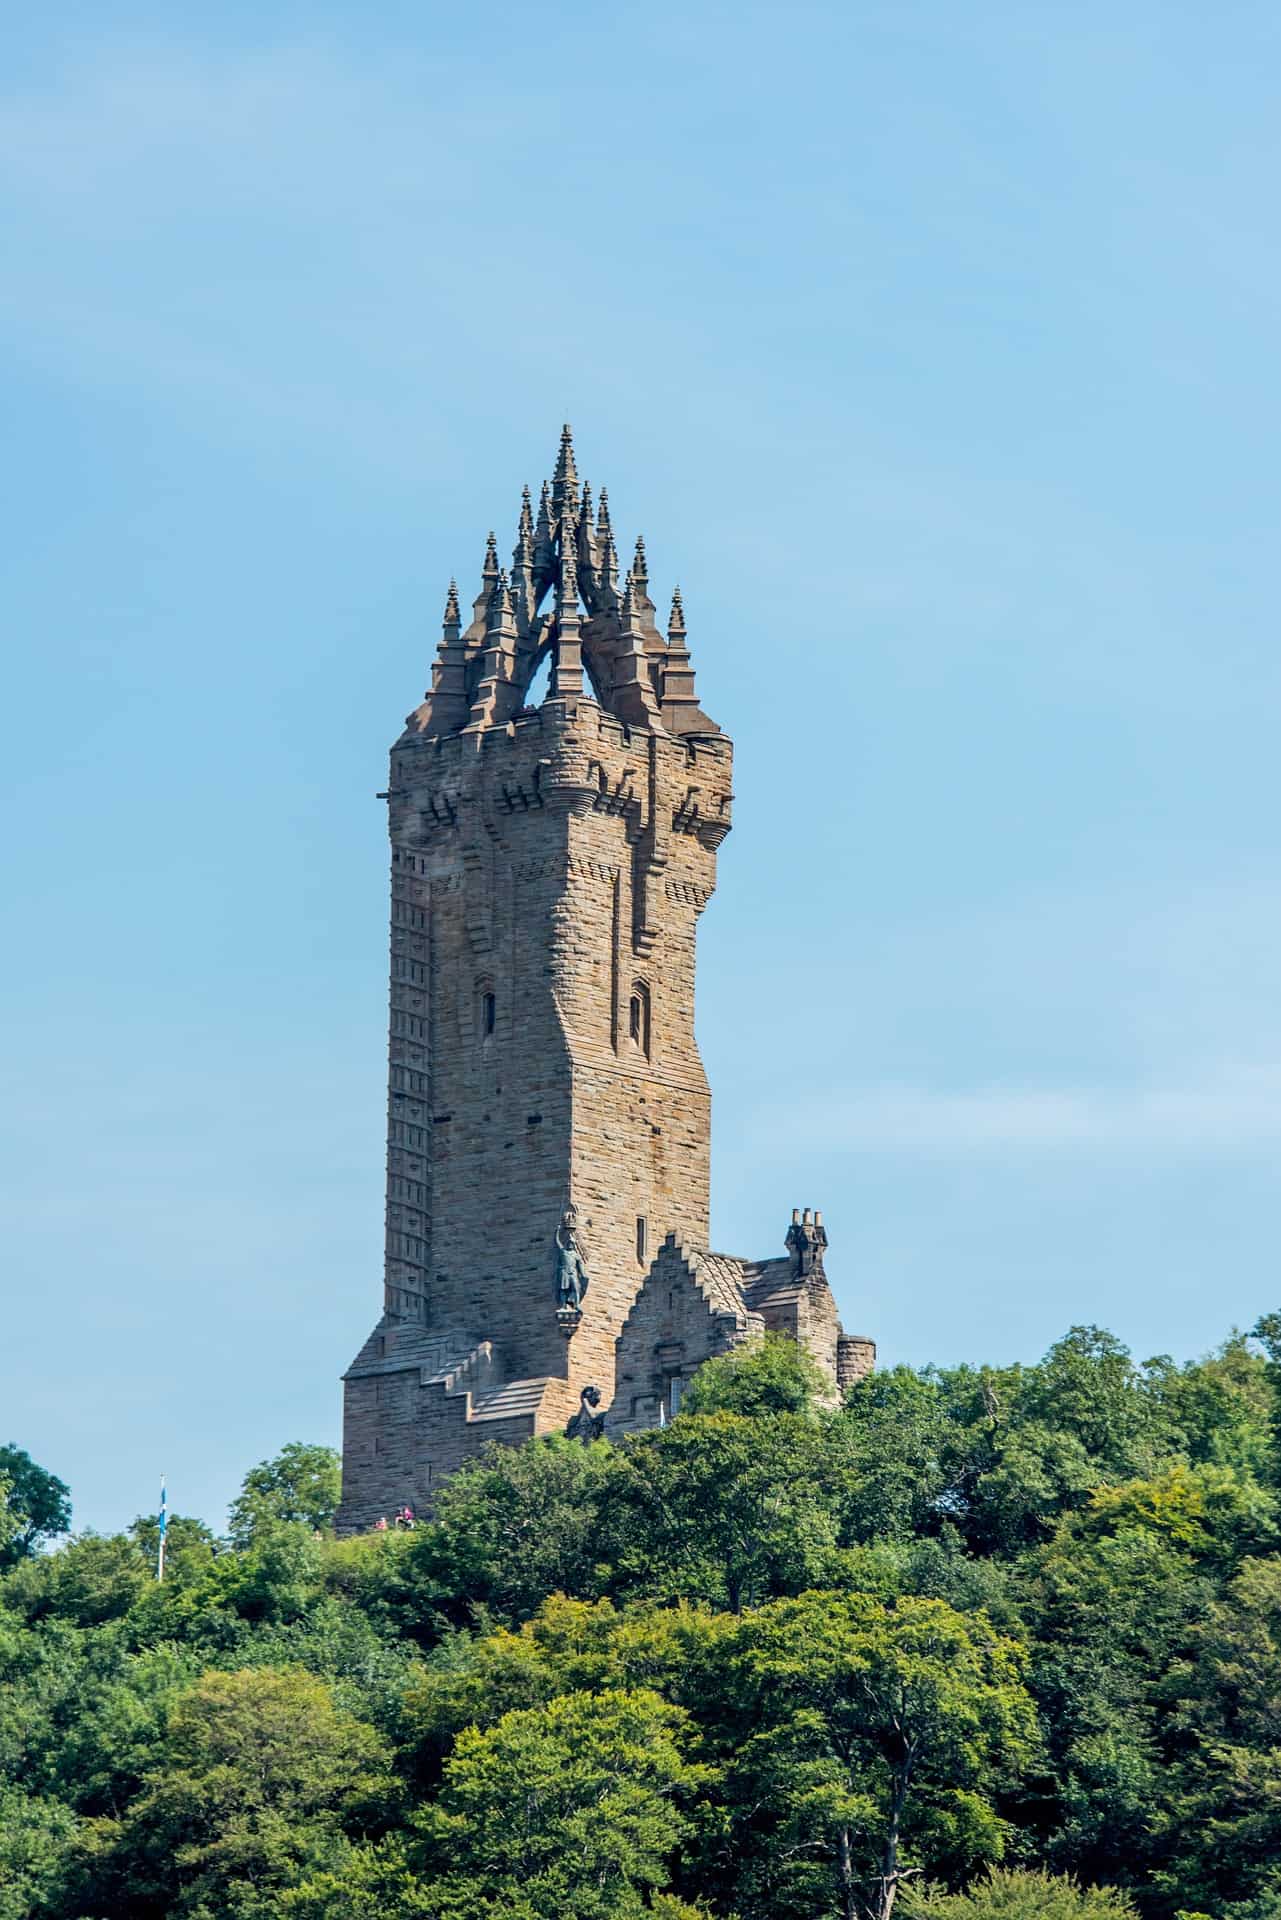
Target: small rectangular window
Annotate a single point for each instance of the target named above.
(642, 1237)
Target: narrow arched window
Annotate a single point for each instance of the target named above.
(638, 1016)
(642, 1237)
(485, 1010)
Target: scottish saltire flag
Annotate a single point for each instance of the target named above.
(164, 1515)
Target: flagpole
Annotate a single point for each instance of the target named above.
(164, 1514)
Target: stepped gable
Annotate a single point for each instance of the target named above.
(695, 1305)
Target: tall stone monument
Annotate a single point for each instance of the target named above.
(549, 1119)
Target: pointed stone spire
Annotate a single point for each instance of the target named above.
(523, 597)
(488, 575)
(567, 651)
(446, 703)
(681, 712)
(544, 544)
(565, 478)
(634, 699)
(497, 696)
(608, 564)
(602, 517)
(640, 568)
(587, 558)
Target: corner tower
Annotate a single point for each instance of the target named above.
(548, 1112)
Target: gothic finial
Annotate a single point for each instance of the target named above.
(587, 504)
(640, 569)
(452, 616)
(490, 568)
(526, 515)
(681, 711)
(602, 517)
(608, 559)
(565, 478)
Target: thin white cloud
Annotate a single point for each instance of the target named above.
(1234, 1111)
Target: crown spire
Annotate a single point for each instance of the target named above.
(563, 594)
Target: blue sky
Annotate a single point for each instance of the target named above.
(933, 350)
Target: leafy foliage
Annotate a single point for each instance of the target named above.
(37, 1506)
(302, 1484)
(995, 1643)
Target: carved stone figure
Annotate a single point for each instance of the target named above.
(586, 1425)
(571, 1272)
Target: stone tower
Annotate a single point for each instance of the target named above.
(548, 1112)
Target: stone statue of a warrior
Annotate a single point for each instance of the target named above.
(586, 1425)
(571, 1273)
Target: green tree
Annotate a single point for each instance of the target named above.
(508, 1529)
(570, 1646)
(1024, 1896)
(88, 1581)
(38, 1505)
(301, 1484)
(1225, 1817)
(902, 1444)
(878, 1737)
(1218, 1411)
(726, 1509)
(258, 1779)
(35, 1835)
(773, 1375)
(190, 1545)
(573, 1807)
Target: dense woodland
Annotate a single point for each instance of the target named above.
(981, 1642)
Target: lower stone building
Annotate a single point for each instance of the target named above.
(695, 1305)
(548, 1115)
